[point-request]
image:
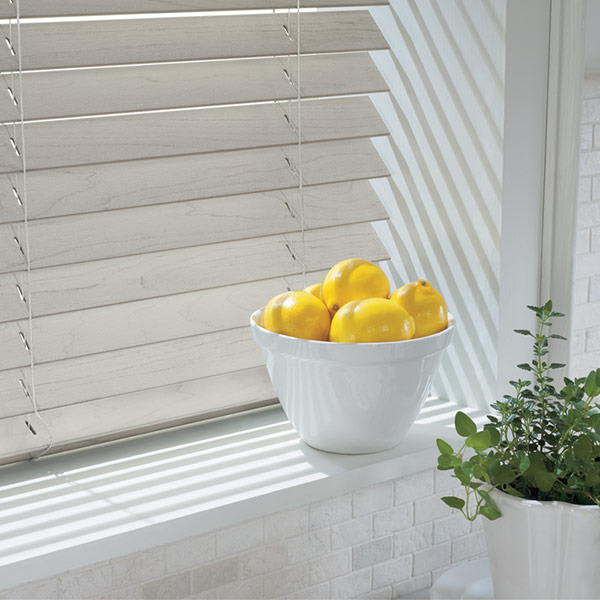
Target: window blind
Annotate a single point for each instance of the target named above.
(150, 159)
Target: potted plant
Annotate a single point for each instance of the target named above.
(533, 471)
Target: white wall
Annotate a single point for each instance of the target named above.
(585, 337)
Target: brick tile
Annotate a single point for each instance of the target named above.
(309, 545)
(86, 583)
(393, 519)
(191, 552)
(44, 589)
(578, 342)
(443, 481)
(587, 136)
(411, 487)
(411, 540)
(595, 187)
(391, 572)
(431, 558)
(286, 581)
(172, 586)
(351, 533)
(592, 336)
(595, 289)
(237, 590)
(239, 538)
(216, 574)
(431, 508)
(449, 528)
(330, 511)
(581, 291)
(138, 567)
(595, 241)
(414, 584)
(329, 566)
(371, 553)
(286, 524)
(588, 215)
(469, 546)
(351, 585)
(582, 241)
(262, 560)
(385, 593)
(585, 189)
(373, 498)
(315, 592)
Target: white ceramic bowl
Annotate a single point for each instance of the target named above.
(351, 398)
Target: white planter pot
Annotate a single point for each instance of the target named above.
(351, 398)
(544, 549)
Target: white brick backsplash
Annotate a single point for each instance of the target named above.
(477, 524)
(262, 560)
(449, 528)
(385, 593)
(380, 554)
(330, 511)
(430, 508)
(585, 189)
(372, 499)
(371, 552)
(137, 568)
(309, 545)
(588, 215)
(286, 581)
(240, 590)
(351, 533)
(411, 540)
(393, 519)
(242, 537)
(172, 586)
(418, 485)
(191, 552)
(314, 592)
(392, 571)
(595, 187)
(589, 163)
(468, 547)
(351, 585)
(595, 241)
(596, 136)
(329, 566)
(282, 525)
(443, 481)
(587, 136)
(582, 241)
(431, 558)
(415, 584)
(87, 583)
(595, 289)
(582, 289)
(45, 589)
(593, 339)
(590, 111)
(215, 574)
(578, 342)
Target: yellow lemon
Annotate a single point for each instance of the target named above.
(314, 289)
(298, 314)
(425, 304)
(353, 279)
(371, 320)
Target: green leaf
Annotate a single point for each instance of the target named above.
(524, 367)
(490, 512)
(453, 501)
(504, 475)
(465, 426)
(548, 306)
(444, 462)
(485, 496)
(590, 387)
(556, 336)
(444, 447)
(481, 440)
(544, 480)
(522, 331)
(524, 463)
(494, 435)
(583, 448)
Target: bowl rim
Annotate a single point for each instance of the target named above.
(440, 334)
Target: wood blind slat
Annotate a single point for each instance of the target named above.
(124, 371)
(111, 234)
(130, 41)
(111, 418)
(108, 328)
(75, 287)
(63, 8)
(111, 186)
(55, 94)
(56, 144)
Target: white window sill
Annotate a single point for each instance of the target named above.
(75, 509)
